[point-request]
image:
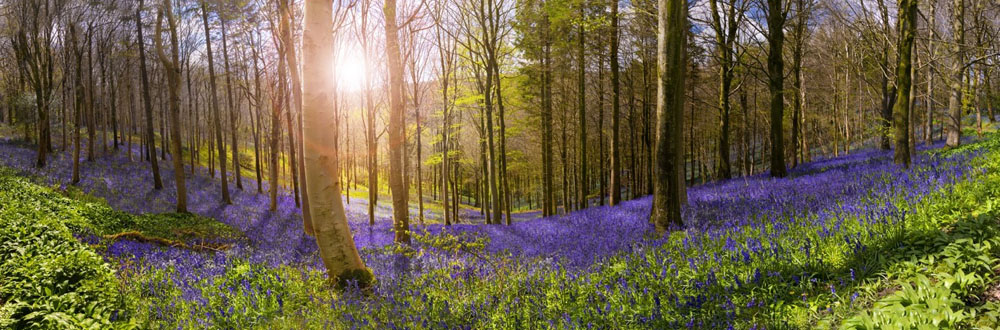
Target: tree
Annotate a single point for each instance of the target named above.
(278, 100)
(931, 51)
(216, 117)
(616, 152)
(233, 112)
(775, 76)
(956, 76)
(581, 63)
(901, 111)
(173, 71)
(146, 99)
(397, 184)
(79, 99)
(292, 60)
(888, 93)
(799, 149)
(548, 166)
(725, 38)
(446, 71)
(33, 22)
(668, 185)
(371, 138)
(322, 165)
(416, 61)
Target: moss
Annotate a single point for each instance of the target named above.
(362, 278)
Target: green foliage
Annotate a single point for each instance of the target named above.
(922, 305)
(48, 279)
(940, 275)
(181, 227)
(453, 244)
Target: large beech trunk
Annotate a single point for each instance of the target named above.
(322, 165)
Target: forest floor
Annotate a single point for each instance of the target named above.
(851, 241)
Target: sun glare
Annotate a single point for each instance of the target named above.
(349, 70)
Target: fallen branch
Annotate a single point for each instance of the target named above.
(137, 236)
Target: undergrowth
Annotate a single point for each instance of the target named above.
(52, 274)
(894, 260)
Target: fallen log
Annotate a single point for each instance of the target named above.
(139, 237)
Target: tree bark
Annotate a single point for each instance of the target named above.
(397, 184)
(901, 111)
(582, 184)
(91, 124)
(302, 194)
(669, 155)
(257, 124)
(322, 166)
(446, 60)
(216, 116)
(548, 167)
(955, 81)
(233, 112)
(929, 103)
(147, 103)
(78, 104)
(800, 30)
(616, 154)
(173, 72)
(776, 75)
(724, 38)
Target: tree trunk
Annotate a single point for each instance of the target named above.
(775, 69)
(565, 163)
(446, 61)
(277, 101)
(929, 103)
(322, 167)
(724, 38)
(494, 191)
(397, 183)
(302, 194)
(616, 154)
(548, 169)
(287, 51)
(669, 182)
(173, 72)
(901, 111)
(582, 109)
(955, 82)
(505, 185)
(91, 124)
(257, 125)
(233, 112)
(602, 157)
(78, 104)
(216, 117)
(147, 103)
(800, 27)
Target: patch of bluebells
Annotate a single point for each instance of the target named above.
(738, 234)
